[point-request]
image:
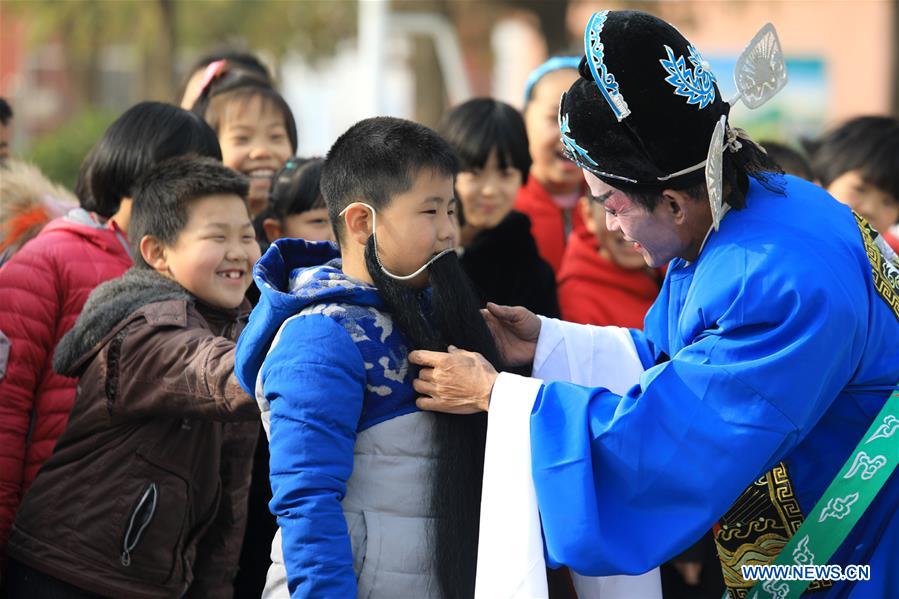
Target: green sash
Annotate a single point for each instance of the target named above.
(843, 503)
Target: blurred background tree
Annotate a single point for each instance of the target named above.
(165, 34)
(159, 39)
(59, 154)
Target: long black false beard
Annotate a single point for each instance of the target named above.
(452, 317)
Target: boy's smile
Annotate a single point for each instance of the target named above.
(214, 254)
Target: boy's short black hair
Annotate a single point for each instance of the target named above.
(145, 134)
(5, 111)
(296, 188)
(791, 161)
(379, 158)
(478, 126)
(868, 144)
(165, 192)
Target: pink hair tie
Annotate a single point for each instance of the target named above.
(213, 70)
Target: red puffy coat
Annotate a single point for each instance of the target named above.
(44, 286)
(594, 290)
(548, 226)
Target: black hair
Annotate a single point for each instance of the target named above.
(235, 84)
(242, 60)
(479, 126)
(164, 194)
(5, 111)
(378, 158)
(749, 161)
(145, 134)
(296, 188)
(868, 144)
(790, 160)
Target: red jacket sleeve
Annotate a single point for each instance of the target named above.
(29, 313)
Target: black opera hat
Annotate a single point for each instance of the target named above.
(644, 110)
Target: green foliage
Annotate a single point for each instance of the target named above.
(59, 154)
(309, 27)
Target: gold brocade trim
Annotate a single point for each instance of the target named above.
(886, 275)
(757, 526)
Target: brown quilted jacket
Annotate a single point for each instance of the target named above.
(145, 493)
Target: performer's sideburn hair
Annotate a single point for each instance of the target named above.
(452, 317)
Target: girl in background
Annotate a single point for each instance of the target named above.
(497, 250)
(297, 207)
(551, 192)
(254, 125)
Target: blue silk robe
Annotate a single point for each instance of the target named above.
(773, 346)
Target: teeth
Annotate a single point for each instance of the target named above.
(263, 173)
(231, 274)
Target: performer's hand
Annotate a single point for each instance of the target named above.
(515, 331)
(458, 382)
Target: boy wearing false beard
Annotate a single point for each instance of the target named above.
(373, 497)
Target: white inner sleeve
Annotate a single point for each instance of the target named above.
(510, 546)
(587, 355)
(510, 549)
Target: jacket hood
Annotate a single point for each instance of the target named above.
(88, 226)
(292, 275)
(106, 307)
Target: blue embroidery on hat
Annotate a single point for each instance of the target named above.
(571, 146)
(605, 80)
(697, 85)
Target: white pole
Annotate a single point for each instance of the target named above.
(446, 43)
(373, 19)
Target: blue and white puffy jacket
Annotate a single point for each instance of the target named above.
(350, 451)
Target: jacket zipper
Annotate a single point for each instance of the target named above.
(140, 519)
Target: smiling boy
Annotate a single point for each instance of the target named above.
(145, 494)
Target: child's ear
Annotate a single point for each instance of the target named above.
(272, 228)
(587, 214)
(152, 251)
(358, 221)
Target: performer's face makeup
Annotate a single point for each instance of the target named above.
(612, 244)
(655, 235)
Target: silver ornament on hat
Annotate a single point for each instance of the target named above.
(759, 75)
(760, 72)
